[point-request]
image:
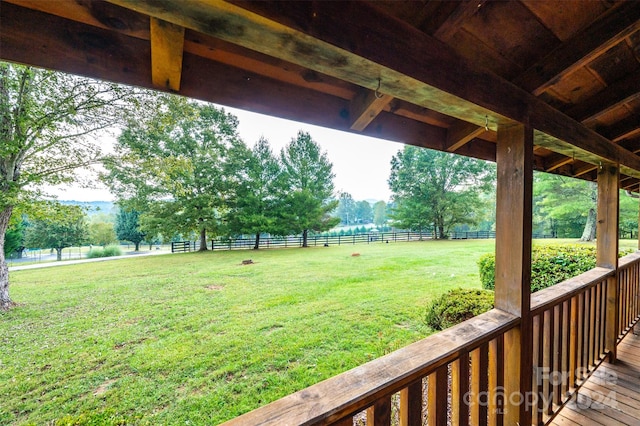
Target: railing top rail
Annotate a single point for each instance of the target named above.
(356, 389)
(629, 259)
(554, 295)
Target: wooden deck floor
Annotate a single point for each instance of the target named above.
(611, 396)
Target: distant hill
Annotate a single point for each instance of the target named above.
(93, 207)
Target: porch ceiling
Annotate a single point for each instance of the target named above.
(429, 73)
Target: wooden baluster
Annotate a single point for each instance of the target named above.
(437, 397)
(379, 414)
(586, 323)
(556, 373)
(580, 367)
(496, 381)
(573, 343)
(547, 344)
(460, 400)
(592, 326)
(347, 421)
(411, 404)
(474, 387)
(565, 363)
(537, 328)
(597, 315)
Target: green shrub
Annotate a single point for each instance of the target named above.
(108, 251)
(456, 306)
(112, 250)
(95, 252)
(549, 265)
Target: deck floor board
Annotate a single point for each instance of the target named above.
(611, 396)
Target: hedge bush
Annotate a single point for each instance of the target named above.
(108, 251)
(549, 265)
(456, 306)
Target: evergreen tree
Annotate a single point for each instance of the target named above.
(127, 227)
(308, 177)
(257, 203)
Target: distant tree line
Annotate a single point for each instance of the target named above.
(185, 170)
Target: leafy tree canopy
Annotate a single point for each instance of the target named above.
(127, 227)
(178, 166)
(58, 226)
(48, 121)
(437, 190)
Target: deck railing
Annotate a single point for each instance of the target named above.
(457, 376)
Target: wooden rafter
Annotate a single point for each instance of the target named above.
(555, 161)
(624, 129)
(365, 107)
(460, 134)
(608, 99)
(465, 10)
(619, 22)
(167, 43)
(411, 71)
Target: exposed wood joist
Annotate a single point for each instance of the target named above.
(608, 99)
(365, 107)
(555, 161)
(167, 42)
(624, 129)
(465, 10)
(619, 22)
(461, 133)
(410, 70)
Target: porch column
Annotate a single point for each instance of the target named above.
(607, 245)
(513, 261)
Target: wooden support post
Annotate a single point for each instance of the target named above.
(514, 156)
(607, 246)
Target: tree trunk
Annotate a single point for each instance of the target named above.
(138, 246)
(589, 233)
(59, 252)
(256, 246)
(304, 238)
(203, 240)
(5, 300)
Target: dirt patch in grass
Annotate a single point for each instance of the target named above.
(213, 287)
(100, 390)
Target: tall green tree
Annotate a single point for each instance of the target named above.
(178, 167)
(567, 205)
(346, 208)
(256, 206)
(437, 190)
(380, 213)
(127, 227)
(14, 237)
(364, 212)
(47, 125)
(308, 177)
(101, 233)
(57, 227)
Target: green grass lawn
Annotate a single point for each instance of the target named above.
(200, 338)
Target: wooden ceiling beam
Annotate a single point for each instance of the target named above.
(608, 99)
(587, 168)
(613, 27)
(461, 133)
(410, 68)
(624, 129)
(167, 45)
(555, 161)
(465, 10)
(87, 50)
(365, 107)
